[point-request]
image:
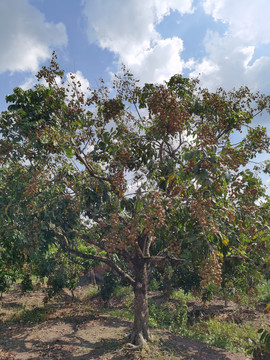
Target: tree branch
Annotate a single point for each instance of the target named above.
(89, 167)
(105, 260)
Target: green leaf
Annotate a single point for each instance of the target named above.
(188, 155)
(69, 152)
(138, 205)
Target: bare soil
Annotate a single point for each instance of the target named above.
(79, 330)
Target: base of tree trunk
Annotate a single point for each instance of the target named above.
(139, 339)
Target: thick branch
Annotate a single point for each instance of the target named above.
(105, 260)
(89, 168)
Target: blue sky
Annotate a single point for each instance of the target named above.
(224, 42)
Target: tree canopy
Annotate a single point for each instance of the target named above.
(133, 176)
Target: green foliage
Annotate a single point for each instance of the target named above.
(184, 276)
(224, 334)
(7, 277)
(112, 285)
(26, 283)
(260, 348)
(263, 291)
(28, 315)
(169, 318)
(109, 286)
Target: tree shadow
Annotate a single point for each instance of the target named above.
(196, 350)
(15, 338)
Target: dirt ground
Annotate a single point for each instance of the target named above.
(66, 330)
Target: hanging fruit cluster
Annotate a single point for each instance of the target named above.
(211, 271)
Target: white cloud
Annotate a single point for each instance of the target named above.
(28, 83)
(26, 37)
(248, 20)
(229, 60)
(160, 62)
(127, 28)
(226, 63)
(79, 78)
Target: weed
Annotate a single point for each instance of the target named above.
(161, 315)
(93, 291)
(128, 301)
(264, 291)
(122, 291)
(179, 294)
(26, 315)
(127, 314)
(226, 335)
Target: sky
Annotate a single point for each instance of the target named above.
(222, 42)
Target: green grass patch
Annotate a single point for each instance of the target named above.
(127, 314)
(263, 291)
(224, 334)
(93, 291)
(32, 315)
(181, 295)
(122, 291)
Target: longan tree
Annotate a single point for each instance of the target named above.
(133, 176)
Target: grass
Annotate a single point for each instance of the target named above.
(181, 295)
(22, 313)
(224, 334)
(173, 315)
(26, 315)
(221, 333)
(123, 291)
(93, 291)
(263, 290)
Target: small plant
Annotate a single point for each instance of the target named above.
(164, 317)
(260, 349)
(224, 334)
(33, 315)
(180, 294)
(92, 291)
(263, 290)
(109, 286)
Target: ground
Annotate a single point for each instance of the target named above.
(79, 330)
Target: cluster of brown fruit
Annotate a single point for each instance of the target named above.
(118, 180)
(121, 236)
(171, 115)
(124, 156)
(130, 232)
(211, 271)
(32, 187)
(207, 136)
(154, 214)
(200, 209)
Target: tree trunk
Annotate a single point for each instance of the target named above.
(140, 332)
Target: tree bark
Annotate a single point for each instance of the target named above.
(140, 331)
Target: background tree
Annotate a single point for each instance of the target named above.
(133, 177)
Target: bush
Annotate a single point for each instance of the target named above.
(109, 286)
(260, 349)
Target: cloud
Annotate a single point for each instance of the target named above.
(226, 63)
(26, 37)
(128, 28)
(230, 59)
(159, 62)
(248, 20)
(79, 78)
